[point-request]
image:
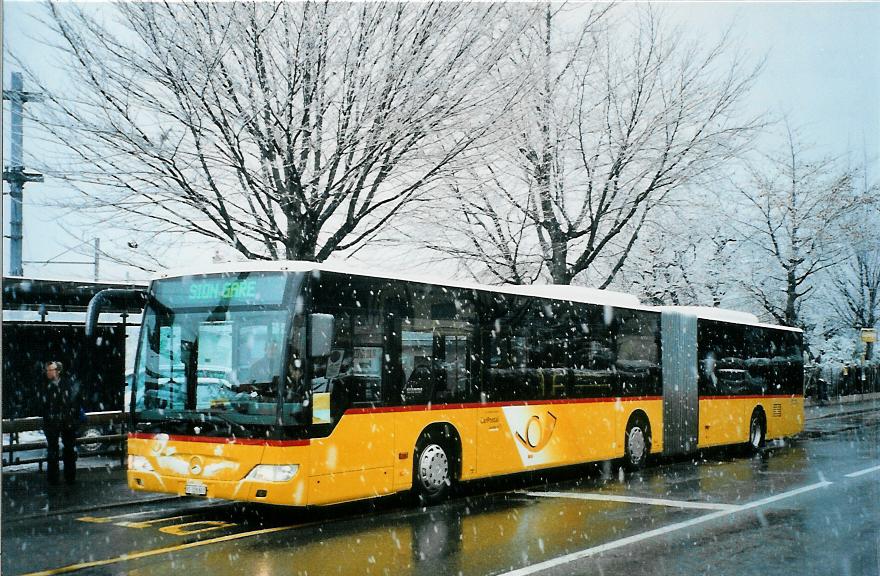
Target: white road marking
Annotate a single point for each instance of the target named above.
(865, 471)
(636, 500)
(552, 563)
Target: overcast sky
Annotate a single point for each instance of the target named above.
(823, 63)
(822, 71)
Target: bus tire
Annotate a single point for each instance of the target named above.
(757, 431)
(637, 442)
(432, 469)
(90, 447)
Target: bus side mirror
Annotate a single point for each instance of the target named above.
(321, 336)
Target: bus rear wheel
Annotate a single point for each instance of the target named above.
(432, 471)
(637, 443)
(757, 432)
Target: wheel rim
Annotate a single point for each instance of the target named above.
(636, 444)
(433, 468)
(91, 446)
(755, 433)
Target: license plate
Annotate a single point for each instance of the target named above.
(195, 489)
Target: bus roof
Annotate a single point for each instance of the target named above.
(557, 292)
(576, 294)
(723, 315)
(709, 313)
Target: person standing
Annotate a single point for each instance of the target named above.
(61, 416)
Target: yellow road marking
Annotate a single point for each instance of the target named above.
(136, 523)
(176, 530)
(132, 524)
(195, 527)
(157, 551)
(107, 519)
(148, 523)
(96, 520)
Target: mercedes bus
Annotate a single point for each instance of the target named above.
(300, 384)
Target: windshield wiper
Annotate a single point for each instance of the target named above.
(223, 418)
(163, 424)
(191, 418)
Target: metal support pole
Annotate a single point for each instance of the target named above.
(16, 186)
(97, 256)
(14, 173)
(15, 228)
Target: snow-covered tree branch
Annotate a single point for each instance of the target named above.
(793, 206)
(284, 130)
(618, 116)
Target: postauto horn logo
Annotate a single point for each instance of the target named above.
(196, 465)
(531, 428)
(536, 433)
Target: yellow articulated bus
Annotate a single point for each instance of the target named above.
(303, 384)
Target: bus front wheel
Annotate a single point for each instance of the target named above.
(432, 471)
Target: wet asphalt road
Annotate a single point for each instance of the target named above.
(808, 506)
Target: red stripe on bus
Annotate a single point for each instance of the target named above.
(220, 440)
(750, 397)
(431, 407)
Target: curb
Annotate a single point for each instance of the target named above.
(809, 402)
(80, 509)
(843, 413)
(821, 433)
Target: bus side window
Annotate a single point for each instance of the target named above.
(419, 380)
(436, 351)
(357, 304)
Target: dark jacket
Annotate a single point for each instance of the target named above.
(61, 403)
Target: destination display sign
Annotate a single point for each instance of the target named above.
(241, 289)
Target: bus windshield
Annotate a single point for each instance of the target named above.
(213, 353)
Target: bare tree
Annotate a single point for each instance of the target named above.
(854, 292)
(491, 241)
(611, 127)
(284, 130)
(793, 204)
(690, 260)
(856, 287)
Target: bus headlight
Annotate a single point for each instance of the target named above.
(273, 473)
(139, 464)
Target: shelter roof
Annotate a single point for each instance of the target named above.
(59, 295)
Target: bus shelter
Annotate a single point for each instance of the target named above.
(44, 320)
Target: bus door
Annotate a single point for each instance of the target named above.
(435, 367)
(505, 379)
(356, 459)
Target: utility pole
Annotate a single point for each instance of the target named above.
(97, 256)
(14, 173)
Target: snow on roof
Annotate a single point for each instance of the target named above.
(246, 266)
(314, 267)
(557, 292)
(710, 313)
(576, 294)
(722, 315)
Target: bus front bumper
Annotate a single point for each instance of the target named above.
(289, 493)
